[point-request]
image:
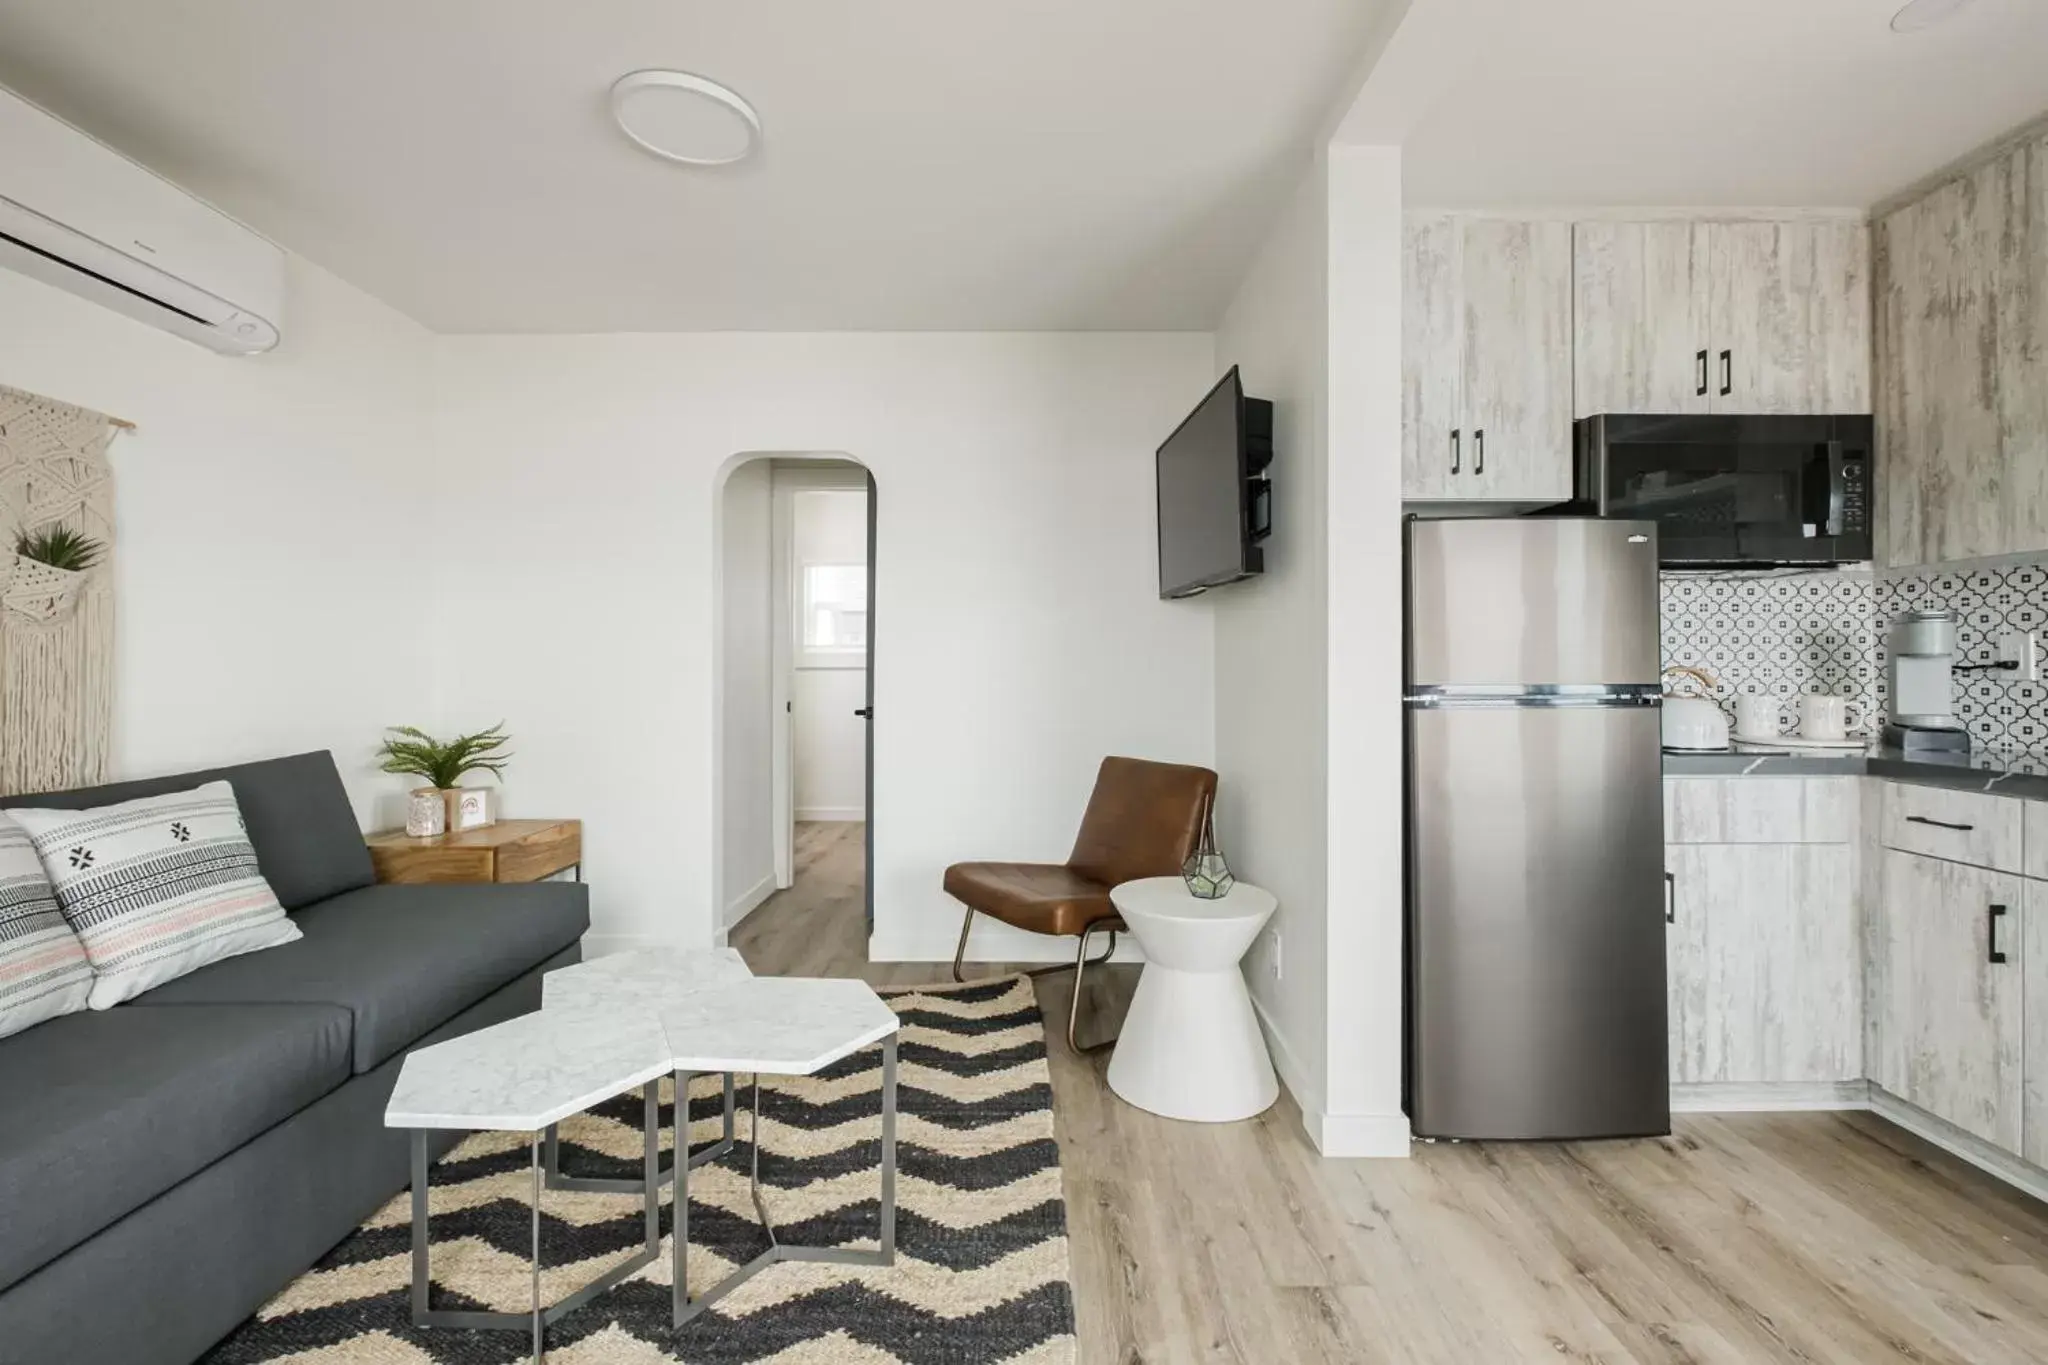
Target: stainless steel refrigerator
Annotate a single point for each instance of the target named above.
(1536, 905)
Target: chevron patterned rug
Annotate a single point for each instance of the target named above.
(981, 1263)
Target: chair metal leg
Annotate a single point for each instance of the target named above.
(960, 953)
(1081, 964)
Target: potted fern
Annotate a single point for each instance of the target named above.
(50, 564)
(444, 763)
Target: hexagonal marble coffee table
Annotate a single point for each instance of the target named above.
(607, 1028)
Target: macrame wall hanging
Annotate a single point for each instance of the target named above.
(56, 625)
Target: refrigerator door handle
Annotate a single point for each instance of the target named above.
(1670, 897)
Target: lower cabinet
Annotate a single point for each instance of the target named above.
(1947, 1015)
(2033, 941)
(1764, 963)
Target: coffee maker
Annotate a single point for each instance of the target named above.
(1919, 666)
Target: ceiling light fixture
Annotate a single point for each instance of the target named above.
(684, 118)
(1925, 14)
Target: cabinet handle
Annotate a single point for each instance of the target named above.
(1727, 373)
(1701, 361)
(1991, 926)
(1479, 451)
(1938, 824)
(1457, 448)
(1670, 898)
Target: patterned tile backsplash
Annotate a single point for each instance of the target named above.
(1791, 633)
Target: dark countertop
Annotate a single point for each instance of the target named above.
(1987, 770)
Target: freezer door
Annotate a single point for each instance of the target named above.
(1537, 922)
(1532, 600)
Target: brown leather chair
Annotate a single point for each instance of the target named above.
(1143, 820)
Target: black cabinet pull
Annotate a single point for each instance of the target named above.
(1670, 899)
(1991, 928)
(1479, 451)
(1457, 448)
(1701, 361)
(1938, 824)
(863, 712)
(1727, 373)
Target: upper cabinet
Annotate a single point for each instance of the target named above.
(1962, 366)
(1486, 366)
(1751, 317)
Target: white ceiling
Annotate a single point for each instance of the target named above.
(963, 164)
(1754, 103)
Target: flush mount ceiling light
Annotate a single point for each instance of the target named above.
(684, 118)
(1923, 14)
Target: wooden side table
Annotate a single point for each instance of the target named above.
(509, 851)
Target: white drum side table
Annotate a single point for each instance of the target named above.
(1191, 1046)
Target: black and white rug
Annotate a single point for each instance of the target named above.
(981, 1265)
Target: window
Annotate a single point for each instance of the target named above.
(835, 608)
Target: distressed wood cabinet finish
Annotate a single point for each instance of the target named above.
(1789, 317)
(1669, 314)
(1760, 810)
(1640, 318)
(1763, 955)
(2034, 841)
(1963, 827)
(1486, 325)
(1962, 365)
(1432, 358)
(2033, 940)
(1946, 1022)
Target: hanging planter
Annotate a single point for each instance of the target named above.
(41, 592)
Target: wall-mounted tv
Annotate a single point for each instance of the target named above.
(1215, 501)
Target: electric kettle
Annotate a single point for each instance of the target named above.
(1694, 723)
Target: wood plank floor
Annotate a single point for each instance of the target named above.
(1796, 1237)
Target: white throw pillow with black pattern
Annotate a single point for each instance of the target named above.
(43, 971)
(157, 887)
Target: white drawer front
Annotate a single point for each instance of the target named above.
(1759, 810)
(1963, 827)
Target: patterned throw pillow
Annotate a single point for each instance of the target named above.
(157, 887)
(43, 971)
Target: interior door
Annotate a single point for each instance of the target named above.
(867, 712)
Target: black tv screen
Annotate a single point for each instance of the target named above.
(1214, 507)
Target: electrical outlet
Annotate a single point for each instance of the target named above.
(2022, 649)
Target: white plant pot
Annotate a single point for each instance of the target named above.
(426, 813)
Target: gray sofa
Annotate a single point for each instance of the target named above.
(168, 1164)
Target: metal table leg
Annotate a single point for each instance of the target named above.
(552, 1153)
(685, 1307)
(539, 1318)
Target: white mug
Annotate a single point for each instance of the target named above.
(1756, 717)
(1822, 716)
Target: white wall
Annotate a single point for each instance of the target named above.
(1020, 635)
(277, 528)
(746, 793)
(1367, 801)
(830, 526)
(1272, 644)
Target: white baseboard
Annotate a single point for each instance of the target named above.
(1994, 1161)
(1731, 1097)
(831, 814)
(749, 900)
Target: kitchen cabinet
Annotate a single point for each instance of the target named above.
(1486, 360)
(1760, 810)
(1753, 317)
(1962, 365)
(1762, 952)
(1946, 1018)
(1961, 826)
(2033, 939)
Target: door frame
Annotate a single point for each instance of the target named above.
(787, 477)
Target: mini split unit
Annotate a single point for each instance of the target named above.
(79, 215)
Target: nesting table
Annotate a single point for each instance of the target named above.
(1191, 1046)
(605, 1029)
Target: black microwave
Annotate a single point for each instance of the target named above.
(1733, 492)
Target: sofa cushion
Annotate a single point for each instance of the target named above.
(300, 822)
(104, 1110)
(158, 886)
(401, 959)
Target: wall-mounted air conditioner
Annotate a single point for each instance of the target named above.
(79, 215)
